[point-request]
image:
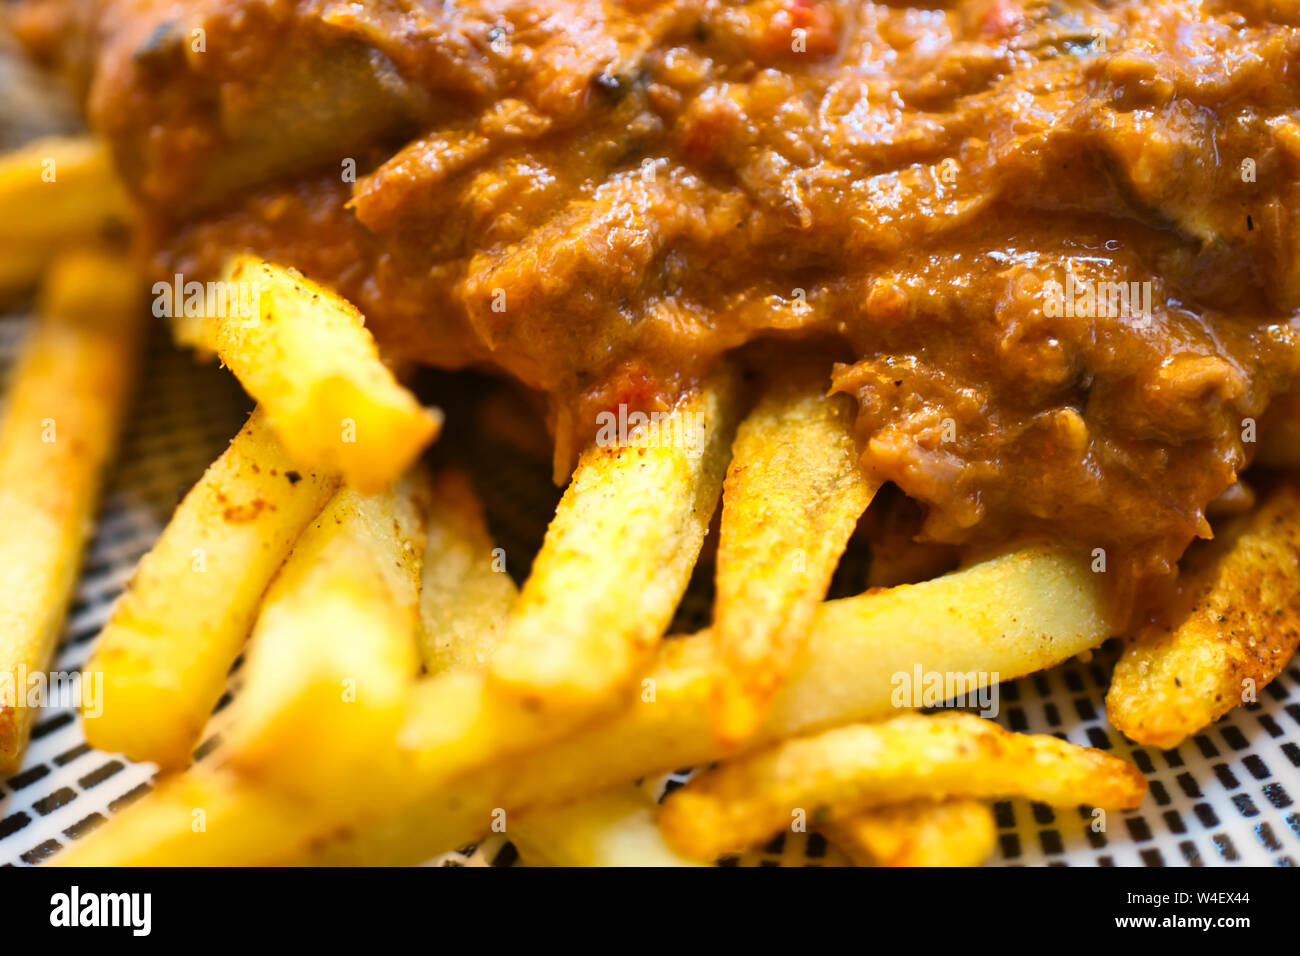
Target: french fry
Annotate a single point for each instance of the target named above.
(793, 494)
(1231, 629)
(613, 828)
(617, 557)
(62, 416)
(626, 507)
(1013, 615)
(921, 833)
(333, 652)
(305, 354)
(463, 602)
(21, 266)
(840, 772)
(205, 814)
(169, 644)
(53, 191)
(465, 593)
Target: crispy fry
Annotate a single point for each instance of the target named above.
(613, 828)
(617, 557)
(1014, 615)
(305, 354)
(465, 593)
(62, 416)
(840, 772)
(588, 644)
(239, 819)
(169, 644)
(333, 653)
(1233, 626)
(921, 833)
(53, 191)
(21, 265)
(463, 603)
(792, 496)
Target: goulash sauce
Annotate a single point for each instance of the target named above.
(1055, 241)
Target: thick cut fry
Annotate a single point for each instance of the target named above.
(333, 653)
(614, 828)
(792, 497)
(463, 601)
(53, 191)
(618, 556)
(173, 636)
(305, 354)
(1233, 626)
(58, 189)
(62, 415)
(465, 593)
(911, 757)
(21, 266)
(1012, 615)
(921, 833)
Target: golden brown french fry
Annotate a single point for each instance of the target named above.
(1017, 613)
(53, 191)
(793, 494)
(1011, 615)
(1233, 626)
(628, 530)
(921, 833)
(21, 265)
(618, 556)
(613, 828)
(333, 652)
(62, 415)
(305, 354)
(166, 650)
(911, 757)
(465, 593)
(59, 189)
(204, 814)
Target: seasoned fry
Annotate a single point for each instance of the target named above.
(1233, 626)
(204, 814)
(921, 833)
(614, 828)
(465, 593)
(1279, 433)
(792, 496)
(911, 757)
(1014, 615)
(625, 505)
(20, 268)
(305, 354)
(53, 191)
(617, 557)
(174, 634)
(333, 652)
(463, 603)
(62, 415)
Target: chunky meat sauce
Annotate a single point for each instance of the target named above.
(1055, 243)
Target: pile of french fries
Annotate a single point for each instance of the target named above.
(401, 697)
